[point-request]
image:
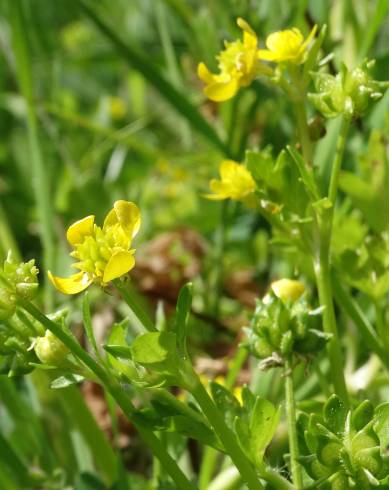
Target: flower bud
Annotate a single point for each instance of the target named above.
(288, 289)
(7, 303)
(22, 277)
(50, 350)
(348, 93)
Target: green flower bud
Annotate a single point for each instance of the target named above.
(262, 348)
(286, 344)
(50, 350)
(329, 455)
(21, 277)
(348, 93)
(7, 303)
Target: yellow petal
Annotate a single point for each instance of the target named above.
(127, 214)
(118, 265)
(80, 229)
(264, 54)
(70, 285)
(288, 289)
(228, 168)
(204, 74)
(221, 91)
(249, 37)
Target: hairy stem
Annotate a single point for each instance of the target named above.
(292, 430)
(322, 268)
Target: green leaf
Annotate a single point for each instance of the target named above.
(263, 424)
(183, 308)
(66, 380)
(119, 351)
(195, 430)
(225, 402)
(153, 347)
(118, 338)
(362, 415)
(335, 414)
(381, 424)
(306, 173)
(158, 352)
(255, 434)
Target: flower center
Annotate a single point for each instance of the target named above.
(231, 59)
(96, 249)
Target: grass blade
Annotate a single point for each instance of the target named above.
(40, 182)
(140, 63)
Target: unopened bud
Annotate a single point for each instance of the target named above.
(50, 350)
(288, 289)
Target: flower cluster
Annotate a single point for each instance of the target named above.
(103, 254)
(241, 61)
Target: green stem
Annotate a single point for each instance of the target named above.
(40, 181)
(210, 456)
(135, 307)
(276, 480)
(292, 430)
(121, 397)
(208, 465)
(351, 307)
(380, 322)
(323, 270)
(227, 437)
(302, 125)
(337, 164)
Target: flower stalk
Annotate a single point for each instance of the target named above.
(290, 407)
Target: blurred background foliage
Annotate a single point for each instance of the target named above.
(120, 114)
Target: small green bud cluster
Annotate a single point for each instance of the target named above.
(343, 447)
(16, 337)
(17, 281)
(283, 324)
(348, 93)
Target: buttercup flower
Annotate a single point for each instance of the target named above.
(287, 45)
(236, 183)
(102, 254)
(238, 65)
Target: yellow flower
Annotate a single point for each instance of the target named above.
(117, 108)
(288, 45)
(288, 289)
(236, 183)
(238, 64)
(102, 254)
